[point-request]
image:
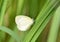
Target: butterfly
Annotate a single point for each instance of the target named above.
(23, 22)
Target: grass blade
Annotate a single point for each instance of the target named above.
(41, 17)
(33, 8)
(3, 11)
(10, 32)
(54, 27)
(19, 6)
(41, 28)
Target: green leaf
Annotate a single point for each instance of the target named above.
(33, 8)
(10, 32)
(40, 18)
(19, 6)
(3, 11)
(54, 27)
(41, 28)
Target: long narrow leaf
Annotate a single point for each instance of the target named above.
(10, 32)
(19, 6)
(54, 27)
(41, 17)
(3, 11)
(41, 28)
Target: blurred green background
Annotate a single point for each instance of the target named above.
(46, 17)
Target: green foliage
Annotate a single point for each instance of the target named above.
(55, 26)
(40, 10)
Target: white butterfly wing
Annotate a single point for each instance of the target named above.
(23, 22)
